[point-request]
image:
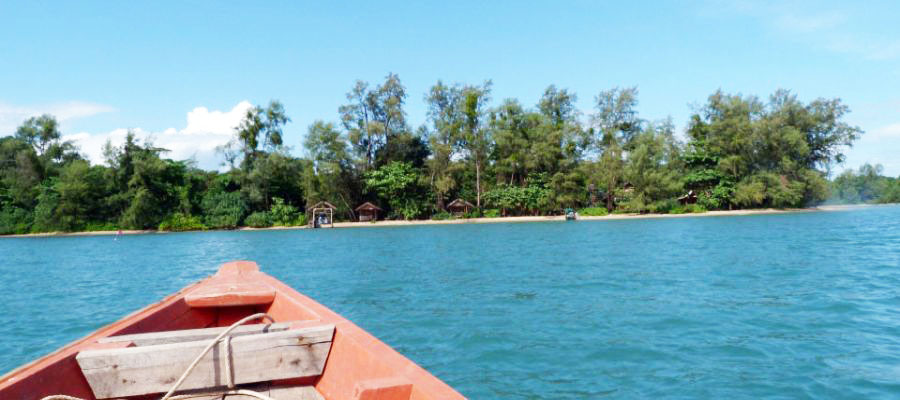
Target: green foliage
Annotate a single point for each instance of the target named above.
(491, 213)
(300, 221)
(718, 197)
(687, 209)
(891, 192)
(652, 167)
(472, 214)
(593, 212)
(398, 184)
(179, 222)
(15, 220)
(518, 200)
(45, 210)
(866, 185)
(283, 214)
(518, 159)
(774, 152)
(259, 219)
(441, 216)
(223, 210)
(100, 227)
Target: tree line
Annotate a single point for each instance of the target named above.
(505, 157)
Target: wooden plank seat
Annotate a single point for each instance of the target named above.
(190, 335)
(113, 370)
(278, 392)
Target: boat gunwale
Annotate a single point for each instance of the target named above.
(104, 331)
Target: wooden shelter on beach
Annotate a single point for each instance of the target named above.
(321, 214)
(459, 207)
(367, 212)
(689, 198)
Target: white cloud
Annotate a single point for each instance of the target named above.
(11, 116)
(203, 132)
(202, 121)
(891, 131)
(833, 29)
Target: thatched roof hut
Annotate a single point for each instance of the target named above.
(323, 204)
(367, 212)
(689, 198)
(459, 207)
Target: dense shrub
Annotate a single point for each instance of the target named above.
(259, 219)
(223, 210)
(475, 213)
(100, 226)
(687, 209)
(662, 206)
(492, 213)
(593, 212)
(179, 222)
(14, 220)
(283, 214)
(441, 216)
(301, 220)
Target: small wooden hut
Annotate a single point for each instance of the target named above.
(321, 214)
(689, 198)
(367, 212)
(459, 207)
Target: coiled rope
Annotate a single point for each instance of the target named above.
(229, 379)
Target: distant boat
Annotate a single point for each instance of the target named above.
(291, 347)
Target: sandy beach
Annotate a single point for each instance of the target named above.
(611, 217)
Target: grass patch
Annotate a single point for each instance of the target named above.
(687, 209)
(593, 212)
(179, 222)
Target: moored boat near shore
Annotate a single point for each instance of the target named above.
(239, 334)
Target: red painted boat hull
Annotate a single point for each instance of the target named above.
(358, 367)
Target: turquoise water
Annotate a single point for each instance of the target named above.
(791, 305)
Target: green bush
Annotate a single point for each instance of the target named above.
(301, 220)
(662, 206)
(441, 216)
(492, 213)
(100, 226)
(15, 221)
(593, 212)
(282, 214)
(223, 210)
(259, 219)
(473, 214)
(687, 209)
(179, 222)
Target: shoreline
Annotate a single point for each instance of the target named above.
(610, 217)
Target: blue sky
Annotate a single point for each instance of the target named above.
(182, 72)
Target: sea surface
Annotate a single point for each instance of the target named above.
(802, 305)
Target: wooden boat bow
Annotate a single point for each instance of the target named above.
(339, 361)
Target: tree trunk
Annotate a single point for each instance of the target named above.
(478, 183)
(609, 198)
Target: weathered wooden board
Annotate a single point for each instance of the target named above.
(260, 357)
(303, 392)
(294, 393)
(191, 335)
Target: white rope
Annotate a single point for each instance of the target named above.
(244, 392)
(210, 346)
(228, 376)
